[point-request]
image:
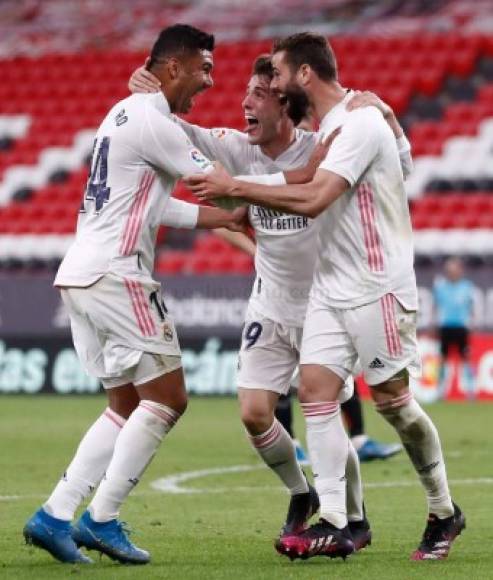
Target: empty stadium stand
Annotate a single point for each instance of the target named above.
(441, 86)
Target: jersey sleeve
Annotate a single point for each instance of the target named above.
(180, 214)
(227, 146)
(358, 144)
(404, 148)
(267, 179)
(165, 146)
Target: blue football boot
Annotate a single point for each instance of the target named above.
(54, 536)
(109, 538)
(372, 449)
(301, 455)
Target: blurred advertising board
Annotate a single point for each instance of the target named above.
(36, 353)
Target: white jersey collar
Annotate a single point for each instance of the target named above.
(336, 108)
(161, 103)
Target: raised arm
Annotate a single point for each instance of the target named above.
(366, 99)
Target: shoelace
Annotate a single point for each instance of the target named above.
(124, 530)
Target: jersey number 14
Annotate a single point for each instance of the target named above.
(96, 188)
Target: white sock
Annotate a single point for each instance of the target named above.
(135, 447)
(87, 467)
(358, 441)
(354, 488)
(328, 447)
(420, 438)
(276, 448)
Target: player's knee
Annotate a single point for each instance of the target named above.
(181, 404)
(123, 401)
(256, 418)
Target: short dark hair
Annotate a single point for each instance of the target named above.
(309, 48)
(179, 39)
(263, 66)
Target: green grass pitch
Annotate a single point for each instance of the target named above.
(226, 530)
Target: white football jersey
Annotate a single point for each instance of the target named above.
(139, 154)
(286, 244)
(365, 243)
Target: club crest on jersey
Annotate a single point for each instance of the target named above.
(218, 133)
(199, 159)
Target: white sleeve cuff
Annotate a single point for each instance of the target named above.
(272, 179)
(180, 214)
(403, 144)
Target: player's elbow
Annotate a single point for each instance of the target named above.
(312, 210)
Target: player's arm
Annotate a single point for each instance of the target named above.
(366, 99)
(227, 145)
(183, 215)
(346, 161)
(308, 199)
(239, 240)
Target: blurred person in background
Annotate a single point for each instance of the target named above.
(453, 296)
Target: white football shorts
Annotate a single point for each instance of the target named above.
(114, 322)
(269, 357)
(382, 334)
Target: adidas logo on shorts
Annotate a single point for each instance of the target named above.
(376, 363)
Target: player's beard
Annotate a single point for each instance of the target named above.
(298, 103)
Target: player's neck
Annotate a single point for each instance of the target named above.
(325, 97)
(276, 147)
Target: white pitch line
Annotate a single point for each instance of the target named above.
(173, 483)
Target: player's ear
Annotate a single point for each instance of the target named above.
(304, 73)
(173, 66)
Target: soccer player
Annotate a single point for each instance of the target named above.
(120, 326)
(285, 260)
(363, 301)
(453, 296)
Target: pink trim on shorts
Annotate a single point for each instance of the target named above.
(135, 217)
(319, 409)
(267, 438)
(112, 416)
(140, 307)
(366, 204)
(392, 337)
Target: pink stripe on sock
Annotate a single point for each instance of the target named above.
(267, 438)
(317, 409)
(167, 416)
(394, 403)
(112, 416)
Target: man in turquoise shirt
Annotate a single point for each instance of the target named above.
(454, 300)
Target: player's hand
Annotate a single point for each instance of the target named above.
(207, 186)
(143, 81)
(367, 99)
(321, 149)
